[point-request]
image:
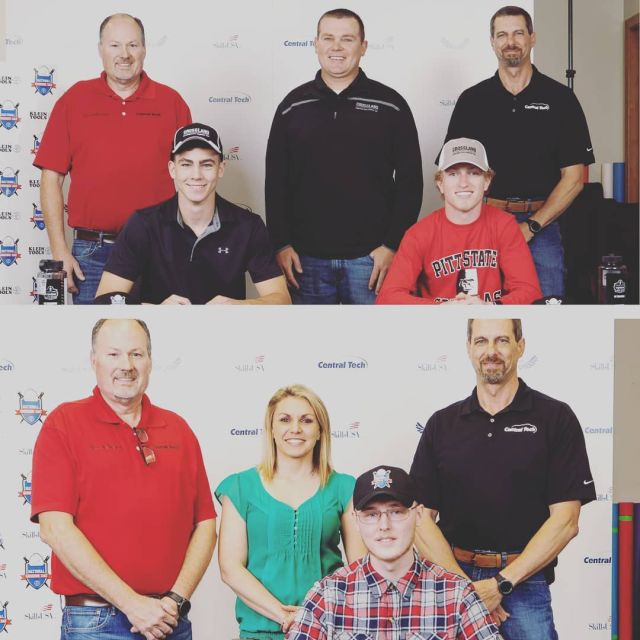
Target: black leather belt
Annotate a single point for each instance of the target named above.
(93, 600)
(96, 236)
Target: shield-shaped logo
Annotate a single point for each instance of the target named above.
(34, 290)
(36, 571)
(30, 410)
(25, 492)
(9, 184)
(4, 618)
(38, 218)
(43, 80)
(9, 115)
(36, 144)
(9, 251)
(382, 479)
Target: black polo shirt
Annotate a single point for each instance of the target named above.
(492, 478)
(169, 259)
(529, 137)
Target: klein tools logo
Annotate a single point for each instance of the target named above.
(37, 218)
(9, 115)
(36, 571)
(43, 81)
(30, 408)
(25, 490)
(254, 366)
(36, 144)
(9, 184)
(4, 618)
(9, 251)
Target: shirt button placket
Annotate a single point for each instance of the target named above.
(490, 434)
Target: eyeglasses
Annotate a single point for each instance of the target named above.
(395, 515)
(147, 454)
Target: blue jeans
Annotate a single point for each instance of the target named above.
(529, 605)
(92, 257)
(108, 623)
(548, 257)
(326, 281)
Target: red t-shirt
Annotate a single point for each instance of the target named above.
(438, 258)
(139, 518)
(116, 150)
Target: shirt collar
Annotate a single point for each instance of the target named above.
(212, 227)
(534, 79)
(145, 88)
(104, 413)
(522, 401)
(405, 585)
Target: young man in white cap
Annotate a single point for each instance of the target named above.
(466, 252)
(391, 592)
(195, 247)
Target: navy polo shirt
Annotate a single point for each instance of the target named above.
(492, 478)
(169, 258)
(529, 137)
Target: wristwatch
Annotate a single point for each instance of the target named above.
(534, 226)
(505, 587)
(184, 606)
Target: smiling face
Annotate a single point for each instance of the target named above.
(339, 49)
(121, 361)
(511, 41)
(122, 51)
(195, 174)
(463, 187)
(296, 430)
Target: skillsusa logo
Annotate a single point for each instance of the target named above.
(30, 407)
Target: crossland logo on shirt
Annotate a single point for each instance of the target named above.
(522, 428)
(538, 106)
(367, 106)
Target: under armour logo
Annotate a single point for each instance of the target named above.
(223, 249)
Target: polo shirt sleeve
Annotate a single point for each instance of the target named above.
(54, 152)
(574, 144)
(423, 469)
(261, 262)
(131, 250)
(569, 476)
(232, 489)
(204, 509)
(183, 113)
(54, 472)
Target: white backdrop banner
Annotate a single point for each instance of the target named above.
(233, 62)
(382, 372)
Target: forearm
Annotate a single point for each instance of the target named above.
(52, 203)
(197, 558)
(433, 546)
(270, 298)
(563, 194)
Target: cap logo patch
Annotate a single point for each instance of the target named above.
(381, 479)
(195, 131)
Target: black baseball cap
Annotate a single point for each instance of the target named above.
(197, 134)
(384, 480)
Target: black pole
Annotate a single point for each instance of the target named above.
(570, 73)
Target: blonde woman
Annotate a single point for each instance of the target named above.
(282, 521)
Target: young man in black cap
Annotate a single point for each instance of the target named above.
(391, 592)
(195, 247)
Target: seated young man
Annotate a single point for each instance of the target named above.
(391, 592)
(195, 247)
(467, 252)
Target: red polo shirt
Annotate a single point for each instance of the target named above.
(116, 150)
(139, 518)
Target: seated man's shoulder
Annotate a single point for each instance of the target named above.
(439, 574)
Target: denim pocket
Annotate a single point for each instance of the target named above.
(83, 249)
(85, 619)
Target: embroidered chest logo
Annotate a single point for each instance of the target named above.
(223, 249)
(367, 106)
(522, 428)
(538, 106)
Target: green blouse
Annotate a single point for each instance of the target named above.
(288, 549)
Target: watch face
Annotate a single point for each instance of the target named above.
(505, 587)
(534, 226)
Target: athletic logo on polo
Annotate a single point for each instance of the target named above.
(9, 115)
(223, 249)
(382, 479)
(522, 428)
(538, 106)
(4, 618)
(587, 482)
(36, 571)
(43, 80)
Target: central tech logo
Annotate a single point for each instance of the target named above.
(36, 144)
(9, 251)
(352, 430)
(30, 409)
(4, 618)
(537, 106)
(9, 115)
(604, 365)
(233, 97)
(522, 428)
(36, 571)
(37, 218)
(232, 42)
(25, 491)
(298, 43)
(596, 431)
(254, 366)
(438, 364)
(6, 365)
(352, 363)
(43, 80)
(245, 431)
(232, 154)
(9, 184)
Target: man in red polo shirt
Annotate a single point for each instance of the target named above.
(112, 135)
(122, 497)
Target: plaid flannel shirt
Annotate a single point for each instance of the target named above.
(427, 603)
